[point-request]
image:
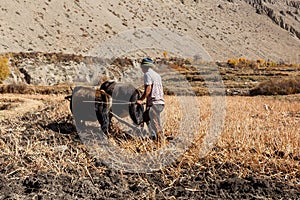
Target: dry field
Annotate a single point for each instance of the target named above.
(256, 157)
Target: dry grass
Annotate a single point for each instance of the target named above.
(258, 131)
(278, 86)
(27, 149)
(261, 136)
(64, 88)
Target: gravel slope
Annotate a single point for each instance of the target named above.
(224, 28)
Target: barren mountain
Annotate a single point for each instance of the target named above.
(267, 29)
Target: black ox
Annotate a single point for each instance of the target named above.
(111, 99)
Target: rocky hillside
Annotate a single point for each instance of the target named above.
(47, 69)
(180, 76)
(266, 29)
(284, 14)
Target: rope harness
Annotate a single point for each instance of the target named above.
(121, 102)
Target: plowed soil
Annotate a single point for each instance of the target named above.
(42, 157)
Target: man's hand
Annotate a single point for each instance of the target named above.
(145, 95)
(140, 102)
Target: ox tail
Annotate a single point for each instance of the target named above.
(68, 97)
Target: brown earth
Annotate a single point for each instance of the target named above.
(42, 157)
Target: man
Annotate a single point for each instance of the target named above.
(155, 97)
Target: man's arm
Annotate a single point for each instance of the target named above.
(146, 94)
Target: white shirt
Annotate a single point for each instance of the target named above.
(157, 94)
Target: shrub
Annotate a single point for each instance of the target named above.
(243, 60)
(165, 53)
(4, 69)
(260, 61)
(232, 62)
(277, 87)
(271, 64)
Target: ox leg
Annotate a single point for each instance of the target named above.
(103, 114)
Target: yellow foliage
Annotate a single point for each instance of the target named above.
(260, 61)
(296, 65)
(271, 64)
(232, 62)
(243, 60)
(4, 69)
(165, 53)
(258, 64)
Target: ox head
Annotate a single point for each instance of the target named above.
(124, 96)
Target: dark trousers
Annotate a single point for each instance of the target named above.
(153, 121)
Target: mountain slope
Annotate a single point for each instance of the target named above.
(224, 28)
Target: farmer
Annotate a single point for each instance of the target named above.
(154, 95)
